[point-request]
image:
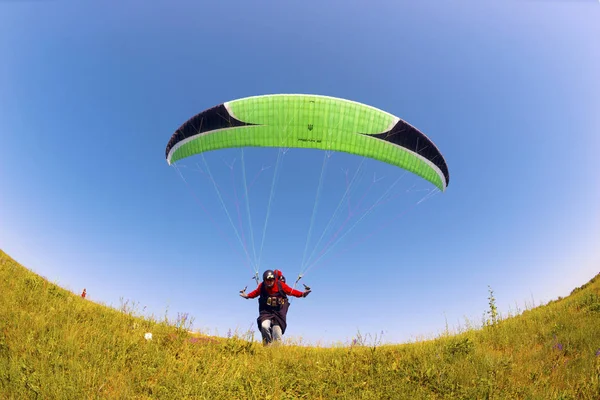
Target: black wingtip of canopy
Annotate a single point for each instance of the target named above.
(209, 120)
(405, 135)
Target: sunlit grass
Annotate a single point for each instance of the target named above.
(56, 345)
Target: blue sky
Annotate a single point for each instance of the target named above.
(509, 92)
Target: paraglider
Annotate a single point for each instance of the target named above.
(303, 121)
(273, 305)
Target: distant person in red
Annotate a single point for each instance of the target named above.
(83, 293)
(272, 305)
(279, 275)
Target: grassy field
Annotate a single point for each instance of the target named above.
(56, 345)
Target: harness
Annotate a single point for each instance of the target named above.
(273, 307)
(272, 302)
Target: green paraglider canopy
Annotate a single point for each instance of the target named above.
(311, 121)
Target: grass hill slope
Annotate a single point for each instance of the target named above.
(56, 345)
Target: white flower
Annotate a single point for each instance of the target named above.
(148, 336)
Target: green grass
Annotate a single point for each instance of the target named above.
(56, 345)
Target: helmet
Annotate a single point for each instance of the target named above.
(268, 274)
